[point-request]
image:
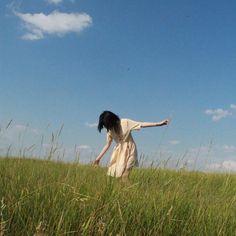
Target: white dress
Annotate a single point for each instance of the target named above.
(124, 155)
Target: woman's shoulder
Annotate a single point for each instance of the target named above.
(124, 120)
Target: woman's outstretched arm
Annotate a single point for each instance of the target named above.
(154, 124)
(102, 153)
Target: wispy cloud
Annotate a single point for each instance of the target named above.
(91, 125)
(83, 147)
(218, 114)
(54, 1)
(19, 137)
(214, 149)
(229, 148)
(22, 128)
(174, 142)
(39, 25)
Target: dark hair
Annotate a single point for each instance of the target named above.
(109, 120)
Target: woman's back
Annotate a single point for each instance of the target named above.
(126, 126)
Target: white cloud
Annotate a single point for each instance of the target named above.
(56, 23)
(224, 166)
(174, 142)
(217, 114)
(91, 125)
(233, 106)
(55, 1)
(214, 166)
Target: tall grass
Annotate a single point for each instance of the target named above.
(53, 198)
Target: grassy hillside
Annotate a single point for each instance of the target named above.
(68, 199)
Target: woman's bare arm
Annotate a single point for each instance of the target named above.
(102, 153)
(154, 124)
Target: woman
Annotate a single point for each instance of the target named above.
(124, 156)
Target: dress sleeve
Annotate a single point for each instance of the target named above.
(133, 125)
(109, 136)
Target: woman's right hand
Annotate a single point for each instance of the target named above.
(165, 122)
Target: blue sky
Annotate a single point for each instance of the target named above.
(65, 61)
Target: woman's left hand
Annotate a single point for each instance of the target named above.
(96, 162)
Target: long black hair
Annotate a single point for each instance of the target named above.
(109, 120)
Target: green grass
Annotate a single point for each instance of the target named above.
(69, 199)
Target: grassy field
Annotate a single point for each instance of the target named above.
(54, 198)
